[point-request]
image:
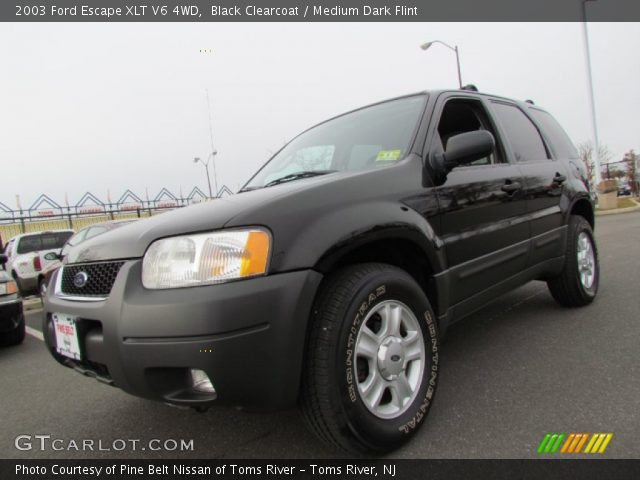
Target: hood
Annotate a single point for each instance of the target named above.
(132, 240)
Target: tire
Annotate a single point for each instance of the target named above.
(42, 288)
(352, 304)
(14, 337)
(21, 290)
(577, 284)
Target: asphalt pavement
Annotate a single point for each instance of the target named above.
(518, 369)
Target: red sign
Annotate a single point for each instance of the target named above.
(91, 210)
(130, 207)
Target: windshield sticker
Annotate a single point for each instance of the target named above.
(388, 155)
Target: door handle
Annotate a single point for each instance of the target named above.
(559, 178)
(511, 187)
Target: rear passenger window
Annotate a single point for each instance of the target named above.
(523, 135)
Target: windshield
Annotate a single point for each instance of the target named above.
(368, 138)
(43, 241)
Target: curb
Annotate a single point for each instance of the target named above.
(615, 211)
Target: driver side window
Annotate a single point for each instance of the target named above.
(464, 115)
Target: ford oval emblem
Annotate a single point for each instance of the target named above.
(80, 279)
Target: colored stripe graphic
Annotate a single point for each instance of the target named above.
(556, 445)
(551, 442)
(570, 438)
(581, 443)
(573, 443)
(606, 442)
(543, 443)
(598, 442)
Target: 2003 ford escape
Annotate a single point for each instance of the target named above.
(328, 280)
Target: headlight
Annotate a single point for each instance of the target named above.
(8, 288)
(206, 258)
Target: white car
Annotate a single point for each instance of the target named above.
(26, 256)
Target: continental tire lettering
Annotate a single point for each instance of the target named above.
(424, 405)
(365, 306)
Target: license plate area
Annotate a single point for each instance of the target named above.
(66, 330)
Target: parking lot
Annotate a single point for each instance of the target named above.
(512, 372)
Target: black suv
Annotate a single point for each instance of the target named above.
(328, 280)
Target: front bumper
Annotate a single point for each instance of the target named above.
(248, 336)
(10, 313)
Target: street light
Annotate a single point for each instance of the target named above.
(206, 167)
(425, 46)
(592, 102)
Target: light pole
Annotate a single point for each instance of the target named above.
(206, 167)
(592, 103)
(425, 46)
(213, 150)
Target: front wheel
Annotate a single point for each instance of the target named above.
(15, 336)
(577, 284)
(372, 360)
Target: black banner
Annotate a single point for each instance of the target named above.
(319, 469)
(319, 11)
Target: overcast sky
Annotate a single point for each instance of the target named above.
(97, 107)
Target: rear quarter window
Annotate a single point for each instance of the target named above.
(560, 141)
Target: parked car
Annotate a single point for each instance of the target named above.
(330, 278)
(624, 189)
(26, 257)
(12, 326)
(55, 259)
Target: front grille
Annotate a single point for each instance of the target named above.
(99, 279)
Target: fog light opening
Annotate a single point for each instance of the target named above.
(200, 381)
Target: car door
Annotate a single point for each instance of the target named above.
(481, 205)
(543, 178)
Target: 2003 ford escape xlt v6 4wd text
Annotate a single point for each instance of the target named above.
(329, 278)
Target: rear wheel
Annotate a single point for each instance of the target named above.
(372, 360)
(17, 280)
(15, 336)
(577, 284)
(42, 287)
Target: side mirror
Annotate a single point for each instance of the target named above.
(468, 147)
(52, 256)
(3, 259)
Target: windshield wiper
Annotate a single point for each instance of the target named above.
(298, 176)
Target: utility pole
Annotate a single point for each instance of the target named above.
(213, 150)
(592, 104)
